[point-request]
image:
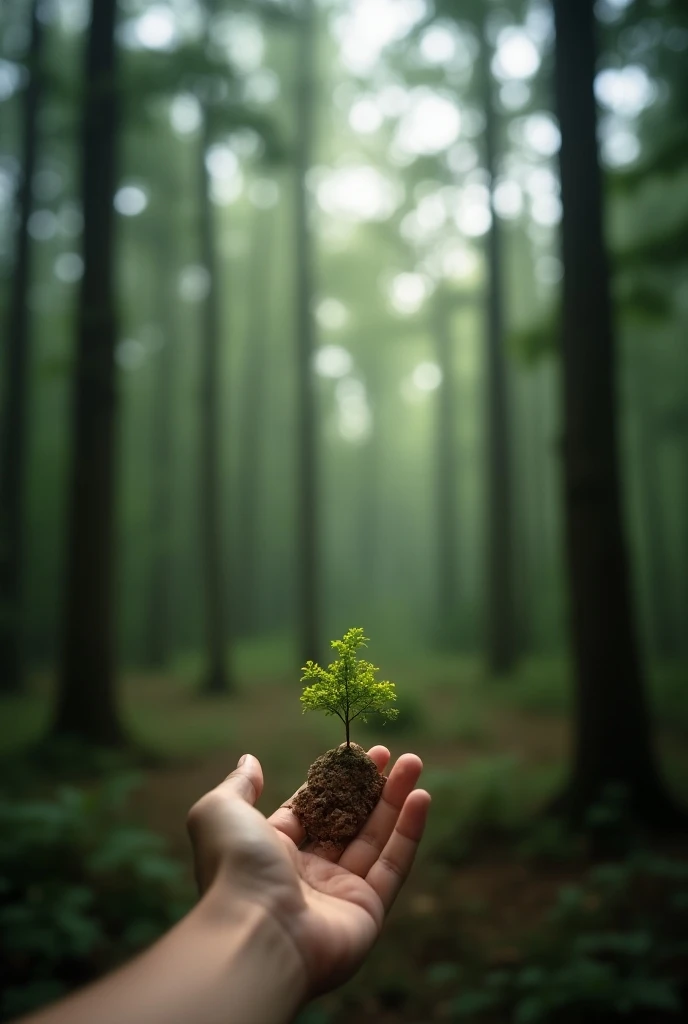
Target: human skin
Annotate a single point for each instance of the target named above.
(278, 921)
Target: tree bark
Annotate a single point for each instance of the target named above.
(500, 628)
(446, 479)
(612, 732)
(86, 705)
(654, 528)
(14, 446)
(683, 609)
(160, 580)
(307, 509)
(217, 678)
(253, 419)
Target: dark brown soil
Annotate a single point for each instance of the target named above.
(342, 788)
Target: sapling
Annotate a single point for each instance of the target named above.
(348, 687)
(343, 785)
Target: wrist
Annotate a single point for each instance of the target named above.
(259, 955)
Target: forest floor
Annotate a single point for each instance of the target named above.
(492, 872)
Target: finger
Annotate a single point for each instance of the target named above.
(284, 819)
(380, 755)
(245, 782)
(364, 850)
(390, 870)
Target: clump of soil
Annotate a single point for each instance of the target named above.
(342, 788)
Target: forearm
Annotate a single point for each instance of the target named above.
(225, 963)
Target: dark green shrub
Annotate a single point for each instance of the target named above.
(80, 890)
(614, 948)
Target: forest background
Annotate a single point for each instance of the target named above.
(322, 314)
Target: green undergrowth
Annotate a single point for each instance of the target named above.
(488, 798)
(81, 890)
(613, 948)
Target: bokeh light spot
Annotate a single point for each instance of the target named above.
(517, 55)
(332, 314)
(69, 267)
(332, 361)
(194, 283)
(427, 376)
(130, 200)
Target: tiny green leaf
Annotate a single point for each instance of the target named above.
(347, 688)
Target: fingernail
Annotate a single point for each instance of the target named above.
(241, 760)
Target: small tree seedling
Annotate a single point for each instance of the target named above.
(348, 688)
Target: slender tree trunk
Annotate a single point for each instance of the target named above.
(654, 530)
(160, 581)
(535, 510)
(525, 551)
(217, 678)
(86, 706)
(253, 419)
(612, 731)
(683, 497)
(500, 628)
(446, 478)
(13, 450)
(307, 507)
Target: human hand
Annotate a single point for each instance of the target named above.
(330, 906)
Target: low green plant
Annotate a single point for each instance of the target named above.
(613, 947)
(549, 841)
(81, 889)
(488, 798)
(348, 688)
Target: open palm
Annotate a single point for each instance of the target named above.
(331, 903)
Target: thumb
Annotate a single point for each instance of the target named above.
(245, 782)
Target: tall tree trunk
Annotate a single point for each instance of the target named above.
(683, 498)
(253, 418)
(13, 450)
(535, 507)
(217, 678)
(307, 507)
(662, 636)
(160, 580)
(500, 627)
(525, 553)
(446, 478)
(86, 706)
(612, 731)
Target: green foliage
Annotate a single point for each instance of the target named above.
(669, 156)
(532, 343)
(487, 799)
(607, 952)
(662, 249)
(348, 687)
(81, 890)
(550, 841)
